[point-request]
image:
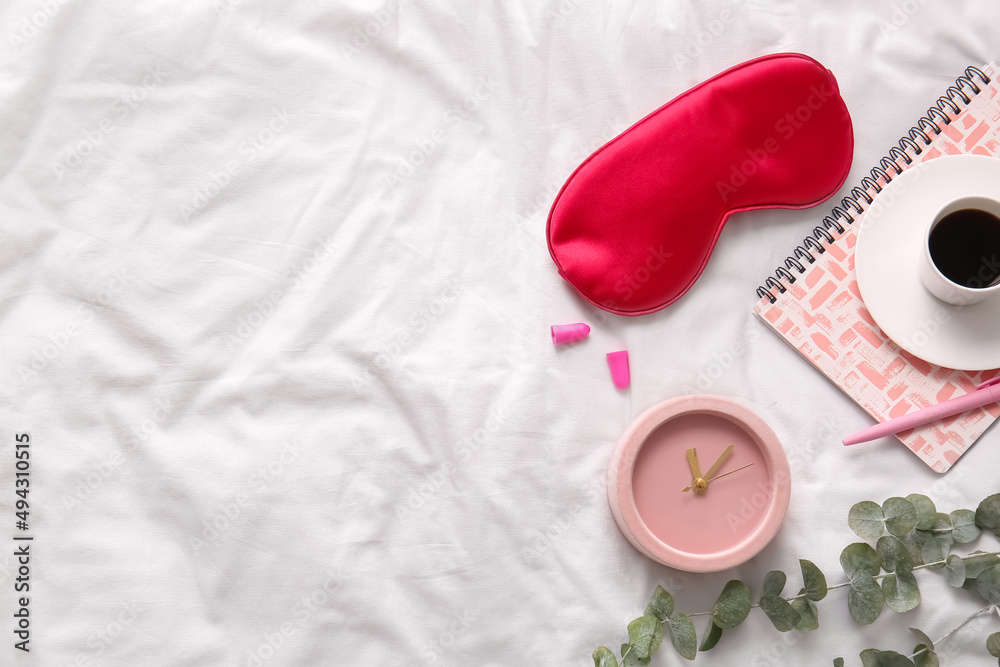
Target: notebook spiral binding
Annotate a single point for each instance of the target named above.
(863, 195)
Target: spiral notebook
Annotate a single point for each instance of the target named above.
(813, 303)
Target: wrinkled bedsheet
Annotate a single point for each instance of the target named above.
(274, 310)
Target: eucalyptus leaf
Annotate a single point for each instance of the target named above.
(838, 662)
(733, 605)
(925, 657)
(913, 541)
(925, 510)
(988, 513)
(924, 639)
(783, 616)
(808, 614)
(712, 635)
(901, 591)
(963, 526)
(993, 644)
(630, 659)
(867, 520)
(873, 658)
(683, 636)
(774, 582)
(900, 515)
(988, 585)
(645, 634)
(865, 598)
(814, 580)
(942, 523)
(978, 561)
(935, 547)
(603, 657)
(954, 571)
(895, 556)
(860, 556)
(661, 605)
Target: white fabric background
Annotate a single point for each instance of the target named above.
(274, 308)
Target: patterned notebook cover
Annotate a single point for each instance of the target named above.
(821, 313)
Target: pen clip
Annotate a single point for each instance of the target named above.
(989, 383)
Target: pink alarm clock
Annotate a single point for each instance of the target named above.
(699, 483)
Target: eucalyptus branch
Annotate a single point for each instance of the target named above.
(909, 534)
(988, 609)
(879, 577)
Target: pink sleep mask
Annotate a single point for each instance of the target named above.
(635, 224)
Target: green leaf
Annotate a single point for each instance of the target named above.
(838, 662)
(808, 614)
(866, 520)
(925, 657)
(900, 515)
(630, 659)
(988, 585)
(774, 582)
(935, 550)
(814, 580)
(873, 658)
(993, 644)
(603, 657)
(894, 555)
(661, 605)
(901, 591)
(860, 556)
(645, 634)
(865, 598)
(977, 562)
(733, 605)
(913, 542)
(683, 636)
(781, 613)
(925, 510)
(963, 526)
(988, 513)
(924, 639)
(954, 571)
(935, 544)
(712, 635)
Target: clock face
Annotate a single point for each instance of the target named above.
(728, 510)
(699, 483)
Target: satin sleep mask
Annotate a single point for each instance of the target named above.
(635, 224)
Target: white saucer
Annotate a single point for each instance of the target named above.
(889, 247)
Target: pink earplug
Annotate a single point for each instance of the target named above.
(567, 333)
(618, 363)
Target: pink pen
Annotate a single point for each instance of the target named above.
(986, 393)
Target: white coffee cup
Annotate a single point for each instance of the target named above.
(980, 285)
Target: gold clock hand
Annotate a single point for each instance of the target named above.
(728, 473)
(692, 455)
(688, 488)
(719, 461)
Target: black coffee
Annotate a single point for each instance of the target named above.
(965, 247)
